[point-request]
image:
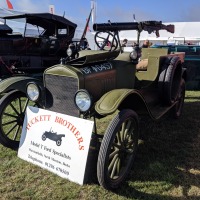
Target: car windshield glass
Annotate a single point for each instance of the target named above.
(33, 30)
(18, 26)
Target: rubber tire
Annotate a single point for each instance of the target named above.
(178, 108)
(169, 81)
(5, 101)
(58, 142)
(44, 137)
(107, 143)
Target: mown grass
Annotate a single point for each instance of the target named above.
(167, 166)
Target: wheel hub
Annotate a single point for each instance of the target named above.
(20, 119)
(122, 152)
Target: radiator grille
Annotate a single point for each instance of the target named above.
(60, 94)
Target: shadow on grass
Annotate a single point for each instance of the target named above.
(192, 98)
(168, 158)
(167, 165)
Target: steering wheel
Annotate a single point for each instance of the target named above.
(106, 41)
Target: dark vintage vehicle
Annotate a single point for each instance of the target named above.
(192, 62)
(105, 82)
(35, 41)
(53, 136)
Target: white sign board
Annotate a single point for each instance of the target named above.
(56, 142)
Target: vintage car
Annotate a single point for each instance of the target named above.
(104, 82)
(53, 136)
(31, 42)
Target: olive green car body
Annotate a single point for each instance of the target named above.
(112, 80)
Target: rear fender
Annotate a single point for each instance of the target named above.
(18, 83)
(184, 74)
(121, 99)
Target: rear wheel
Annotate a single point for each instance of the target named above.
(169, 81)
(118, 149)
(12, 111)
(58, 142)
(178, 108)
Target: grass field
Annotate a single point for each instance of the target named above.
(167, 167)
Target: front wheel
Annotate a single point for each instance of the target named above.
(12, 111)
(118, 149)
(58, 142)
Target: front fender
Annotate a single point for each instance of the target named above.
(139, 101)
(17, 83)
(110, 101)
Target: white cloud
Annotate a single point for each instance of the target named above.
(32, 6)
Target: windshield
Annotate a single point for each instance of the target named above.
(18, 26)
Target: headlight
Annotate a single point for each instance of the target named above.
(83, 100)
(71, 49)
(134, 54)
(33, 91)
(69, 52)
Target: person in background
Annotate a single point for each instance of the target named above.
(150, 44)
(124, 42)
(134, 44)
(84, 44)
(145, 44)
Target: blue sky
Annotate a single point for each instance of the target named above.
(116, 10)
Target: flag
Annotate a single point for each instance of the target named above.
(93, 7)
(10, 6)
(88, 27)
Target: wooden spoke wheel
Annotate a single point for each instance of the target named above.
(12, 111)
(118, 149)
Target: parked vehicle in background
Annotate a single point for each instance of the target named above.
(100, 83)
(41, 40)
(39, 44)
